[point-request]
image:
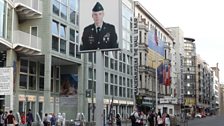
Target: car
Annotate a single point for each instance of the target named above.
(198, 115)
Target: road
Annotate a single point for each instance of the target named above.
(208, 121)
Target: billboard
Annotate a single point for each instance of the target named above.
(155, 43)
(6, 81)
(69, 85)
(99, 25)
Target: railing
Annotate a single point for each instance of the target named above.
(34, 4)
(27, 40)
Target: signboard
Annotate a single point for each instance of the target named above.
(136, 56)
(168, 100)
(6, 81)
(99, 25)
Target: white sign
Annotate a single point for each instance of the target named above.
(168, 100)
(6, 81)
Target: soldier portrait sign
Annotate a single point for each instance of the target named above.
(99, 25)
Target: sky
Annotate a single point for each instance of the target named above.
(202, 20)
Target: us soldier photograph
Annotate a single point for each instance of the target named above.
(99, 35)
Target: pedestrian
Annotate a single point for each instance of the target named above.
(46, 122)
(133, 117)
(23, 118)
(151, 117)
(98, 35)
(10, 119)
(1, 118)
(167, 120)
(29, 118)
(5, 118)
(159, 119)
(118, 119)
(53, 120)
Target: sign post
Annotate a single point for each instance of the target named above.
(99, 88)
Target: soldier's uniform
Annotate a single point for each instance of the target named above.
(103, 37)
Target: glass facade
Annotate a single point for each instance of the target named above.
(60, 39)
(2, 17)
(5, 20)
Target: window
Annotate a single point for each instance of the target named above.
(59, 38)
(56, 7)
(28, 75)
(71, 49)
(54, 28)
(74, 8)
(106, 77)
(106, 89)
(55, 42)
(60, 8)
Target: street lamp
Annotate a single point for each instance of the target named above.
(156, 107)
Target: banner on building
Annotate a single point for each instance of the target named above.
(6, 81)
(166, 74)
(99, 25)
(155, 43)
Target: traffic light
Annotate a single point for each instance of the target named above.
(88, 93)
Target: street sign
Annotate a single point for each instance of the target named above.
(168, 100)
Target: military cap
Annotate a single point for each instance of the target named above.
(97, 7)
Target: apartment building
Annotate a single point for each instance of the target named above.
(215, 105)
(155, 48)
(203, 85)
(40, 40)
(189, 71)
(178, 36)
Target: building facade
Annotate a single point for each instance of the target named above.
(215, 105)
(203, 86)
(189, 72)
(156, 50)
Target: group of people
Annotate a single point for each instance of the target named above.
(139, 118)
(53, 120)
(8, 119)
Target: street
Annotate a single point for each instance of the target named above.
(208, 121)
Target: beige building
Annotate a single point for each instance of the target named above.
(156, 47)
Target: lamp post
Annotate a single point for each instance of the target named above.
(156, 87)
(156, 91)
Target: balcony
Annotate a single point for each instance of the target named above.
(28, 9)
(26, 43)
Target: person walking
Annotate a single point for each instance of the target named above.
(29, 118)
(167, 120)
(10, 119)
(159, 119)
(53, 120)
(1, 119)
(4, 117)
(23, 118)
(151, 117)
(118, 119)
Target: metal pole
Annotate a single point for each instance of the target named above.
(93, 88)
(99, 88)
(156, 87)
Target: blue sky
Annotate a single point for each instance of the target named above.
(202, 20)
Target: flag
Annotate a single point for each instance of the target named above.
(160, 73)
(166, 75)
(156, 37)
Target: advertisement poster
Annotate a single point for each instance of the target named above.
(99, 25)
(68, 91)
